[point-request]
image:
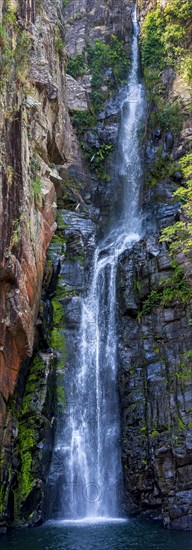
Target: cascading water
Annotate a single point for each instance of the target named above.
(92, 459)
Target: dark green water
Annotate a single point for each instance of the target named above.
(133, 535)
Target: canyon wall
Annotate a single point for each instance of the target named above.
(62, 64)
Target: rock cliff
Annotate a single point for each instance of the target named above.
(62, 63)
(35, 135)
(154, 288)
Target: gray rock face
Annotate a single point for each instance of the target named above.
(76, 94)
(155, 387)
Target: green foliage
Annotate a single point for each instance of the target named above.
(150, 302)
(16, 232)
(22, 54)
(179, 235)
(152, 45)
(101, 56)
(115, 56)
(6, 56)
(170, 117)
(83, 120)
(186, 69)
(165, 34)
(165, 39)
(180, 10)
(9, 16)
(59, 42)
(97, 158)
(77, 66)
(176, 287)
(36, 190)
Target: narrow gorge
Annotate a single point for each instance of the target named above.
(95, 272)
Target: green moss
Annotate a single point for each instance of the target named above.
(143, 430)
(6, 57)
(60, 222)
(22, 54)
(181, 424)
(57, 338)
(26, 444)
(184, 367)
(36, 190)
(32, 422)
(154, 433)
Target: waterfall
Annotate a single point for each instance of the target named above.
(92, 459)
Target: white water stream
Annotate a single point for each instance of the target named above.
(92, 460)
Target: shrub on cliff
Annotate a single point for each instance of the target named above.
(166, 36)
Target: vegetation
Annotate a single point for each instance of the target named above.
(57, 338)
(108, 64)
(170, 117)
(22, 55)
(165, 37)
(36, 190)
(83, 120)
(59, 42)
(6, 56)
(165, 41)
(179, 235)
(101, 56)
(32, 429)
(18, 56)
(77, 66)
(175, 288)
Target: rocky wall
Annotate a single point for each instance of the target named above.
(154, 306)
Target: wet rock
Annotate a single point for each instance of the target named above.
(169, 141)
(157, 133)
(94, 214)
(92, 140)
(178, 176)
(150, 151)
(149, 348)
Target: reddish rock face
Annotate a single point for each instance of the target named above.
(27, 209)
